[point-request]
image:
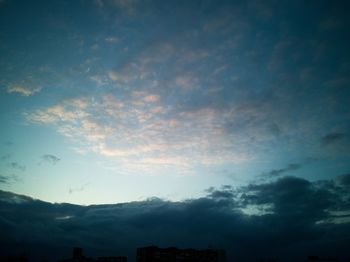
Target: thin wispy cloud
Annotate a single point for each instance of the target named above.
(8, 179)
(336, 143)
(5, 157)
(81, 188)
(18, 166)
(333, 138)
(23, 90)
(51, 159)
(281, 171)
(4, 179)
(112, 39)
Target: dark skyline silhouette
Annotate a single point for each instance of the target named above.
(158, 254)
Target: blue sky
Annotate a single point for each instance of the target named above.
(113, 101)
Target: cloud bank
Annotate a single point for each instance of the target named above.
(293, 218)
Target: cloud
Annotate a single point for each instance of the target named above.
(336, 143)
(99, 80)
(129, 6)
(226, 192)
(8, 179)
(15, 166)
(175, 64)
(344, 179)
(187, 81)
(300, 222)
(333, 138)
(141, 128)
(23, 90)
(144, 96)
(60, 112)
(4, 179)
(5, 157)
(77, 189)
(51, 159)
(278, 172)
(114, 75)
(112, 39)
(292, 197)
(124, 8)
(18, 166)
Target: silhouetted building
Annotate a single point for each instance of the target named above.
(21, 258)
(78, 256)
(77, 253)
(319, 259)
(112, 259)
(172, 254)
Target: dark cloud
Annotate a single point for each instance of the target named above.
(278, 172)
(226, 192)
(344, 179)
(3, 179)
(336, 143)
(293, 199)
(8, 179)
(52, 159)
(300, 222)
(16, 165)
(5, 157)
(78, 189)
(332, 138)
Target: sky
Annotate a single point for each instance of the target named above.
(152, 113)
(114, 101)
